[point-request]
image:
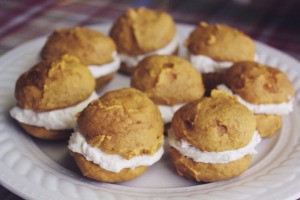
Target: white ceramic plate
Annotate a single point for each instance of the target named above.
(36, 169)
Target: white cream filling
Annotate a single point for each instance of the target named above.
(105, 69)
(109, 162)
(205, 64)
(167, 112)
(270, 109)
(132, 61)
(186, 149)
(60, 119)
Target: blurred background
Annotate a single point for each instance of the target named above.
(273, 22)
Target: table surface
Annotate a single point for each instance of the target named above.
(273, 22)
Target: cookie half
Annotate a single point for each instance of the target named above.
(136, 36)
(97, 51)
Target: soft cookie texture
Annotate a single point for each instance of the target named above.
(260, 84)
(123, 122)
(52, 85)
(168, 80)
(214, 124)
(89, 46)
(208, 172)
(136, 31)
(93, 171)
(42, 133)
(267, 125)
(221, 43)
(218, 123)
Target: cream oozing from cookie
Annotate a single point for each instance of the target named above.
(167, 112)
(132, 61)
(186, 149)
(109, 162)
(106, 69)
(205, 64)
(60, 119)
(270, 109)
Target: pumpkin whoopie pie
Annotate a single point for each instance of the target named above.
(265, 90)
(213, 138)
(93, 49)
(169, 81)
(214, 47)
(50, 94)
(141, 32)
(118, 136)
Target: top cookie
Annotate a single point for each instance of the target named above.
(142, 30)
(90, 46)
(54, 84)
(168, 80)
(221, 43)
(124, 122)
(214, 124)
(259, 84)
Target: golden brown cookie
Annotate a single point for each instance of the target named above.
(168, 80)
(48, 134)
(136, 31)
(267, 125)
(208, 172)
(204, 122)
(259, 84)
(220, 42)
(136, 35)
(128, 70)
(103, 80)
(91, 47)
(214, 124)
(93, 171)
(123, 122)
(51, 85)
(131, 113)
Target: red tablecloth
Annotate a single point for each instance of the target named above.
(274, 22)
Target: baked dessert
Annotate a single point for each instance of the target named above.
(214, 47)
(169, 81)
(50, 94)
(265, 90)
(91, 47)
(141, 32)
(213, 138)
(118, 136)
